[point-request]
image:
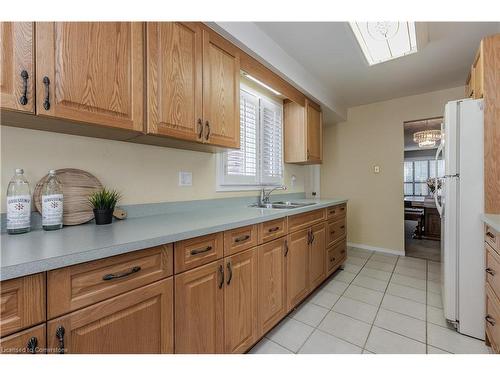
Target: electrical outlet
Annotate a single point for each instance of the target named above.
(185, 178)
(376, 169)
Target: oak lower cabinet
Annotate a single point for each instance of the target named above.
(297, 267)
(317, 257)
(272, 283)
(139, 321)
(29, 341)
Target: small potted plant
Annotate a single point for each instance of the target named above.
(103, 203)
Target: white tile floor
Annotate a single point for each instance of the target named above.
(378, 304)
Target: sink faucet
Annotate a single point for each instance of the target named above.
(265, 195)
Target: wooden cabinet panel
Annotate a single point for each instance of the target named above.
(335, 256)
(17, 66)
(305, 220)
(335, 231)
(493, 270)
(273, 229)
(221, 91)
(240, 239)
(74, 287)
(492, 238)
(432, 224)
(297, 267)
(199, 310)
(317, 266)
(272, 284)
(93, 72)
(197, 251)
(29, 341)
(22, 303)
(140, 321)
(174, 58)
(240, 302)
(314, 134)
(492, 319)
(336, 212)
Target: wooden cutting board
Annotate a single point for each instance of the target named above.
(77, 186)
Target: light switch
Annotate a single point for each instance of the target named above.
(376, 169)
(185, 178)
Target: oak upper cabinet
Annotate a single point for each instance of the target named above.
(303, 133)
(139, 321)
(221, 91)
(240, 301)
(174, 94)
(317, 255)
(17, 73)
(297, 267)
(272, 283)
(199, 310)
(91, 72)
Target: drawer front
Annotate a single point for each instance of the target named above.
(273, 229)
(301, 221)
(240, 239)
(197, 251)
(492, 318)
(22, 303)
(493, 270)
(74, 287)
(492, 238)
(336, 255)
(335, 231)
(29, 341)
(336, 212)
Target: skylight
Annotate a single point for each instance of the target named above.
(383, 41)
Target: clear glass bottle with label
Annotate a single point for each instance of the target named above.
(52, 203)
(18, 204)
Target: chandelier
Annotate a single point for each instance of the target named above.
(427, 138)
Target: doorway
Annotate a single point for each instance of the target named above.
(422, 221)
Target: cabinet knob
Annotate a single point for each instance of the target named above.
(23, 100)
(200, 128)
(221, 276)
(32, 345)
(60, 331)
(490, 320)
(286, 248)
(207, 125)
(230, 272)
(242, 238)
(46, 102)
(490, 271)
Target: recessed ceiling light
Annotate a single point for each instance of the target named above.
(383, 41)
(261, 83)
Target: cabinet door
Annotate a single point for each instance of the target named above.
(297, 267)
(29, 341)
(272, 283)
(314, 134)
(174, 55)
(199, 310)
(317, 256)
(17, 73)
(91, 72)
(140, 321)
(240, 302)
(221, 91)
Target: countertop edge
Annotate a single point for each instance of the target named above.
(493, 221)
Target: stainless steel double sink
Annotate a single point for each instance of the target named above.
(281, 205)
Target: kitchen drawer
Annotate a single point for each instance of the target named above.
(81, 285)
(273, 229)
(197, 251)
(335, 231)
(336, 212)
(492, 318)
(335, 255)
(301, 221)
(240, 239)
(492, 238)
(493, 269)
(22, 303)
(29, 341)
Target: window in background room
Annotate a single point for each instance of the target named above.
(416, 174)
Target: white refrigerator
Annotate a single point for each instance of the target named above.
(460, 203)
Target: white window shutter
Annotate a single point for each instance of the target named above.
(272, 140)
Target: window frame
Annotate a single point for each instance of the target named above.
(221, 183)
(413, 182)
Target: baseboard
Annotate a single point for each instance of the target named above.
(378, 249)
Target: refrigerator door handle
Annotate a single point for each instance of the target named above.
(438, 205)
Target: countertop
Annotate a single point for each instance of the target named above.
(39, 251)
(493, 221)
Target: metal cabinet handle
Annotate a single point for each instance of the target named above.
(32, 345)
(490, 235)
(342, 227)
(200, 128)
(286, 248)
(46, 102)
(270, 230)
(23, 100)
(207, 125)
(230, 270)
(490, 320)
(332, 212)
(332, 232)
(332, 260)
(221, 276)
(242, 238)
(308, 154)
(342, 252)
(112, 276)
(309, 237)
(200, 251)
(490, 271)
(60, 337)
(312, 236)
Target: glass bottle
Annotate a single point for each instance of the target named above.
(18, 204)
(52, 203)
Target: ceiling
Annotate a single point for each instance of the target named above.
(330, 52)
(411, 127)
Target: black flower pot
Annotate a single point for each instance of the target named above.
(103, 217)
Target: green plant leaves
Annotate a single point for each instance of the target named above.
(104, 199)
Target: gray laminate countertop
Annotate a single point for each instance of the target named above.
(39, 250)
(493, 221)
